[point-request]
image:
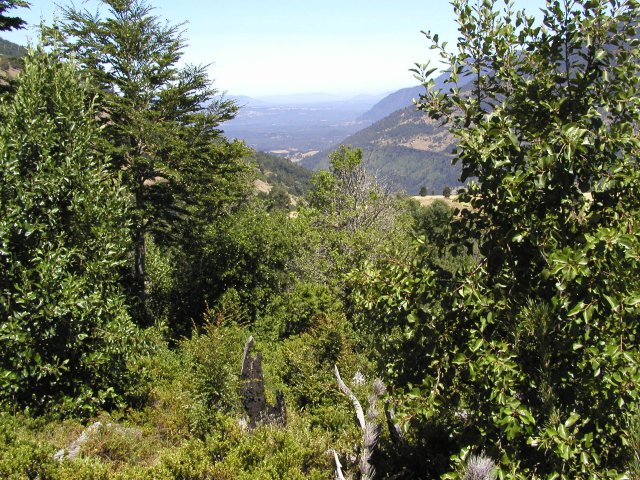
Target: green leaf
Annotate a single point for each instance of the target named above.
(576, 309)
(476, 345)
(573, 418)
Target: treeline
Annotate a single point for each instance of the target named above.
(161, 320)
(10, 49)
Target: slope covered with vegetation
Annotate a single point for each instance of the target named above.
(10, 54)
(406, 149)
(159, 320)
(293, 178)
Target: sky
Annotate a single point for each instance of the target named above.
(278, 47)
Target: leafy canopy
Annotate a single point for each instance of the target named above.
(65, 335)
(160, 125)
(531, 354)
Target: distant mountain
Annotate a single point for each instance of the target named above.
(392, 103)
(400, 99)
(406, 149)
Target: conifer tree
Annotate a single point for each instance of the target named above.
(161, 122)
(8, 23)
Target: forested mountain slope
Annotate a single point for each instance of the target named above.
(9, 55)
(406, 149)
(280, 171)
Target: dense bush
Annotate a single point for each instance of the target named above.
(253, 252)
(65, 334)
(531, 355)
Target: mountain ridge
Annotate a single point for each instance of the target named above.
(406, 149)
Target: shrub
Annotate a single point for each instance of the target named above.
(65, 334)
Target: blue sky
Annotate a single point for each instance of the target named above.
(273, 47)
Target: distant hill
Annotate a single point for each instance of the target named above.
(406, 149)
(10, 54)
(280, 171)
(401, 99)
(392, 103)
(10, 49)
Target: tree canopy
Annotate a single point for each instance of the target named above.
(63, 241)
(160, 121)
(8, 23)
(531, 354)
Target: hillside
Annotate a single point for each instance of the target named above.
(277, 171)
(9, 57)
(401, 99)
(392, 103)
(406, 149)
(10, 49)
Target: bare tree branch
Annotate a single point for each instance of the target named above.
(339, 475)
(356, 404)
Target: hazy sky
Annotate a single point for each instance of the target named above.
(269, 47)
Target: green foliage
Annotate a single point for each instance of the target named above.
(298, 310)
(160, 126)
(280, 171)
(213, 359)
(65, 335)
(433, 221)
(252, 252)
(530, 355)
(634, 444)
(191, 428)
(348, 199)
(297, 453)
(301, 366)
(277, 199)
(11, 23)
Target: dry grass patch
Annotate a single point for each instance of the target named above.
(452, 201)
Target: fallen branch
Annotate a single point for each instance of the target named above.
(339, 475)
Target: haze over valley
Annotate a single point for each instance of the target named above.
(400, 145)
(297, 126)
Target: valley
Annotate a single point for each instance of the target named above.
(296, 127)
(401, 146)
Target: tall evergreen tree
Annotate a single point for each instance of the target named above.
(64, 329)
(7, 22)
(161, 122)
